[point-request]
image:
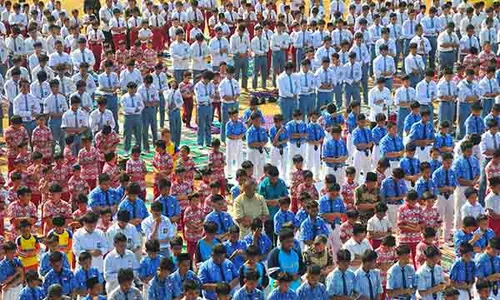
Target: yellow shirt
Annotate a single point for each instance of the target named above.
(26, 244)
(249, 207)
(65, 239)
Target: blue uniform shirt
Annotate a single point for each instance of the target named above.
(443, 140)
(223, 220)
(243, 294)
(45, 266)
(460, 237)
(81, 277)
(335, 283)
(235, 128)
(435, 164)
(284, 135)
(264, 243)
(329, 120)
(410, 165)
(65, 279)
(314, 132)
(235, 191)
(422, 186)
(163, 289)
(98, 197)
(463, 272)
(490, 117)
(487, 265)
(328, 206)
(361, 136)
(310, 229)
(210, 272)
(136, 209)
(333, 149)
(171, 207)
(488, 234)
(410, 120)
(351, 121)
(474, 124)
(421, 131)
(256, 135)
(466, 168)
(28, 293)
(364, 280)
(8, 268)
(238, 260)
(296, 127)
(179, 280)
(378, 133)
(271, 191)
(391, 144)
(391, 188)
(277, 295)
(396, 280)
(424, 279)
(149, 266)
(248, 112)
(282, 217)
(442, 177)
(301, 216)
(306, 291)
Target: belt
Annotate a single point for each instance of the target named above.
(203, 104)
(233, 102)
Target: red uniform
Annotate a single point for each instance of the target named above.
(164, 164)
(136, 169)
(217, 161)
(42, 141)
(87, 159)
(14, 137)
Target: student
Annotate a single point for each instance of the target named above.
(250, 288)
(312, 288)
(94, 290)
(279, 135)
(313, 225)
(288, 91)
(379, 226)
(253, 263)
(32, 291)
(162, 286)
(235, 131)
(429, 276)
(257, 138)
(283, 291)
(471, 207)
(357, 245)
(335, 154)
(134, 205)
(85, 273)
(28, 246)
(363, 143)
(59, 275)
(65, 238)
(409, 221)
(218, 216)
(12, 272)
(284, 215)
(368, 282)
(320, 256)
(205, 93)
(340, 282)
(463, 271)
(217, 269)
(184, 272)
(126, 288)
(401, 280)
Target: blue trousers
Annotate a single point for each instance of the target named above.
(323, 99)
(162, 110)
(414, 79)
(432, 53)
(287, 106)
(241, 65)
(278, 61)
(204, 115)
(29, 126)
(178, 74)
(446, 111)
(149, 120)
(352, 92)
(487, 105)
(175, 124)
(225, 118)
(388, 83)
(307, 103)
(402, 113)
(447, 59)
(299, 56)
(112, 105)
(57, 132)
(133, 125)
(337, 92)
(260, 67)
(464, 111)
(77, 144)
(482, 182)
(364, 82)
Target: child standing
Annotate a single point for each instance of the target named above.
(136, 169)
(65, 238)
(348, 187)
(296, 178)
(163, 165)
(430, 213)
(42, 138)
(386, 256)
(186, 88)
(346, 227)
(77, 185)
(28, 247)
(216, 161)
(193, 222)
(379, 226)
(428, 240)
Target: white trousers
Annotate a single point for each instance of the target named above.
(375, 155)
(445, 209)
(423, 155)
(258, 160)
(339, 173)
(12, 293)
(459, 201)
(362, 163)
(313, 160)
(392, 214)
(234, 156)
(464, 295)
(350, 148)
(294, 150)
(280, 161)
(392, 165)
(111, 286)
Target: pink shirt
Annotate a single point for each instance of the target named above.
(409, 215)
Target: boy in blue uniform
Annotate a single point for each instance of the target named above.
(279, 136)
(217, 269)
(486, 233)
(235, 247)
(249, 290)
(162, 287)
(312, 288)
(283, 291)
(378, 132)
(335, 154)
(52, 243)
(363, 144)
(401, 280)
(149, 264)
(298, 134)
(430, 277)
(443, 141)
(331, 117)
(170, 204)
(331, 206)
(463, 272)
(134, 205)
(184, 272)
(340, 282)
(315, 136)
(488, 266)
(284, 215)
(223, 219)
(256, 140)
(253, 263)
(425, 183)
(84, 273)
(368, 281)
(391, 146)
(11, 272)
(258, 238)
(422, 135)
(466, 234)
(393, 190)
(59, 275)
(235, 131)
(252, 108)
(313, 225)
(94, 289)
(410, 165)
(474, 123)
(32, 291)
(412, 118)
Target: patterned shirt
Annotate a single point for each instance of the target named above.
(42, 141)
(106, 143)
(345, 231)
(193, 223)
(308, 188)
(409, 215)
(189, 166)
(53, 209)
(216, 161)
(18, 210)
(347, 192)
(61, 173)
(114, 173)
(431, 217)
(14, 137)
(136, 169)
(420, 256)
(69, 158)
(385, 255)
(87, 159)
(181, 189)
(163, 162)
(77, 186)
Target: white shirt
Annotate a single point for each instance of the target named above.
(414, 62)
(390, 43)
(279, 41)
(91, 86)
(132, 105)
(375, 94)
(379, 225)
(287, 85)
(166, 230)
(173, 99)
(325, 76)
(446, 88)
(98, 119)
(57, 58)
(39, 68)
(466, 89)
(488, 35)
(149, 95)
(259, 45)
(127, 76)
(306, 82)
(78, 56)
(423, 44)
(352, 72)
(229, 87)
(55, 104)
(240, 44)
(40, 90)
(492, 201)
(408, 29)
(467, 42)
(181, 53)
(11, 89)
(323, 52)
(204, 93)
(66, 85)
(216, 45)
(469, 210)
(488, 142)
(488, 86)
(160, 81)
(87, 104)
(26, 106)
(301, 39)
(114, 262)
(75, 119)
(85, 241)
(199, 52)
(108, 81)
(133, 236)
(384, 64)
(446, 37)
(357, 249)
(405, 95)
(426, 92)
(15, 46)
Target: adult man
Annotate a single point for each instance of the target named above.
(249, 206)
